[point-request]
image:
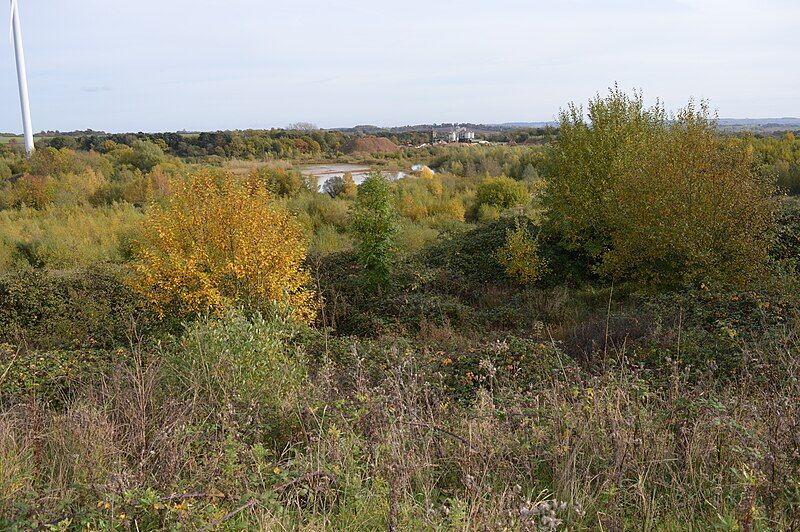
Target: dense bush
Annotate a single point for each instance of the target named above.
(327, 239)
(59, 162)
(67, 177)
(413, 237)
(28, 191)
(136, 188)
(243, 362)
(51, 376)
(474, 253)
(502, 192)
(520, 256)
(218, 241)
(317, 210)
(661, 203)
(374, 227)
(778, 158)
(143, 155)
(281, 181)
(5, 171)
(719, 329)
(448, 210)
(786, 246)
(469, 161)
(38, 192)
(90, 308)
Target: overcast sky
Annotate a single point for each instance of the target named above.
(159, 65)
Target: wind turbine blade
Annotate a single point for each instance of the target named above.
(11, 21)
(22, 78)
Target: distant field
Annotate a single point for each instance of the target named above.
(241, 166)
(5, 139)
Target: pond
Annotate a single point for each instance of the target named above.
(326, 171)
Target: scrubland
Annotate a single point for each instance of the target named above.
(598, 332)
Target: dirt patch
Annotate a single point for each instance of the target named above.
(370, 145)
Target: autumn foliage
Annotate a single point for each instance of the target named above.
(520, 256)
(662, 202)
(219, 241)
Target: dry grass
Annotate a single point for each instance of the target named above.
(392, 449)
(244, 167)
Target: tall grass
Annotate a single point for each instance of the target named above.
(65, 236)
(375, 440)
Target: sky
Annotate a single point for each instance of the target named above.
(168, 65)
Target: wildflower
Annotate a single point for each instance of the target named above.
(499, 346)
(277, 470)
(488, 367)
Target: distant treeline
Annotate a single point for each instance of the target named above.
(776, 155)
(275, 143)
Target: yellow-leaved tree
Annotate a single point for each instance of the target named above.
(520, 256)
(218, 241)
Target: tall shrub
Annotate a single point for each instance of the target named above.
(520, 256)
(502, 192)
(663, 203)
(374, 225)
(248, 365)
(219, 241)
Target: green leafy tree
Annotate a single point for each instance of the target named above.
(502, 192)
(374, 226)
(581, 167)
(144, 155)
(663, 203)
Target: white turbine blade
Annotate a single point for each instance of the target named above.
(11, 21)
(22, 77)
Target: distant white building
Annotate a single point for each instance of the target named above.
(462, 134)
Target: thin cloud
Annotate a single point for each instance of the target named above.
(104, 88)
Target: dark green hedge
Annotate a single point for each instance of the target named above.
(91, 308)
